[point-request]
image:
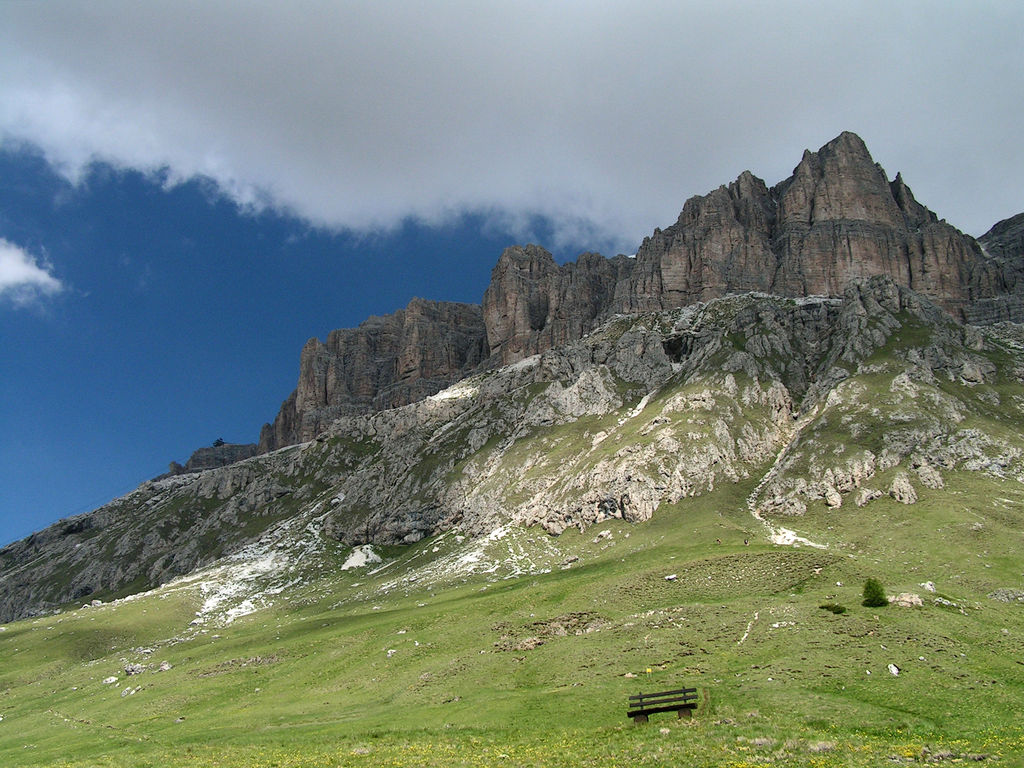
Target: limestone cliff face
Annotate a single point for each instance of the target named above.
(1004, 247)
(386, 362)
(1005, 241)
(840, 219)
(533, 304)
(837, 220)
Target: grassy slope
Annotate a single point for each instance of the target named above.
(309, 681)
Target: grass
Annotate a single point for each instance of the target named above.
(309, 681)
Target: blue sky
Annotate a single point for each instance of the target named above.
(179, 320)
(189, 191)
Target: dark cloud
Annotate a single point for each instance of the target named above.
(605, 116)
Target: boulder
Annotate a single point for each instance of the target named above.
(902, 490)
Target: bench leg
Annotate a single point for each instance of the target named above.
(639, 719)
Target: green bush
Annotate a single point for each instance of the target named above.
(834, 607)
(874, 594)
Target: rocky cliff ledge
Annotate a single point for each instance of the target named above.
(836, 220)
(386, 362)
(220, 454)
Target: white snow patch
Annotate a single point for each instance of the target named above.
(501, 553)
(459, 391)
(640, 406)
(525, 364)
(788, 538)
(750, 625)
(360, 557)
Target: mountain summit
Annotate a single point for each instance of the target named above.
(835, 220)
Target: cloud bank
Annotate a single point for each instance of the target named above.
(604, 116)
(22, 280)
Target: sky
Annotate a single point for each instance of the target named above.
(190, 190)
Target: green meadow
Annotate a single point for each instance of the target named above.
(416, 663)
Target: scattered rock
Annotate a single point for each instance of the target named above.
(832, 498)
(930, 477)
(929, 586)
(672, 577)
(109, 680)
(894, 670)
(864, 495)
(528, 644)
(902, 490)
(134, 669)
(664, 731)
(906, 600)
(1005, 595)
(164, 666)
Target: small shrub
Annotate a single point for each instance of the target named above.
(874, 594)
(834, 607)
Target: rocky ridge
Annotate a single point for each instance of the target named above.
(814, 403)
(386, 362)
(836, 219)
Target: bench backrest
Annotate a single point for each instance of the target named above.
(682, 695)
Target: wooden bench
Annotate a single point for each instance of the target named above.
(644, 704)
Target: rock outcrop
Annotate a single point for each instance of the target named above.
(1004, 244)
(386, 362)
(533, 304)
(217, 455)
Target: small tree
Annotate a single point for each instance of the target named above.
(218, 442)
(874, 594)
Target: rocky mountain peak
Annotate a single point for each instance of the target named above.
(837, 219)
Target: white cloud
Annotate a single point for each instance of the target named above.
(22, 280)
(604, 115)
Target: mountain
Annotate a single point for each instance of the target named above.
(836, 219)
(809, 342)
